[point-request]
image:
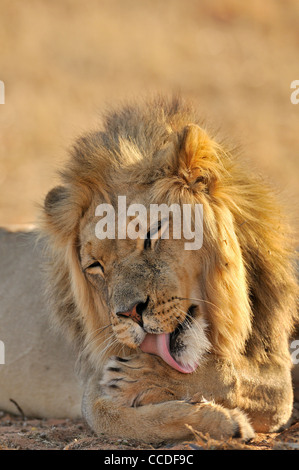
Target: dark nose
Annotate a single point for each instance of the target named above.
(135, 312)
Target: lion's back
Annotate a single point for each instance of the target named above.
(38, 370)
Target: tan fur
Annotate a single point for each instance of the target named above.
(39, 368)
(242, 279)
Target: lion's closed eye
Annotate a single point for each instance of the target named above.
(94, 268)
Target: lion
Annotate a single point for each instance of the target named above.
(166, 340)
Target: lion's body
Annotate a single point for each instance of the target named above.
(38, 373)
(227, 309)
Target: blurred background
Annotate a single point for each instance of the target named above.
(63, 61)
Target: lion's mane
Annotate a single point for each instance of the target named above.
(248, 276)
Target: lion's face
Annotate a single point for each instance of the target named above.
(150, 287)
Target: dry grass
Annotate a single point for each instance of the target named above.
(63, 61)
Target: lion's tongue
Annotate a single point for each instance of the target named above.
(159, 345)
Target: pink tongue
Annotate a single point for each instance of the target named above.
(159, 345)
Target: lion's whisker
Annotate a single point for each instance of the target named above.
(96, 337)
(201, 300)
(108, 346)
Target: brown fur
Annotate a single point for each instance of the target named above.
(244, 272)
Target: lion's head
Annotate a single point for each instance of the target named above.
(226, 298)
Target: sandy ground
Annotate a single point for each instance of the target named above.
(58, 434)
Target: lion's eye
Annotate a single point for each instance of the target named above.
(147, 241)
(95, 268)
(152, 234)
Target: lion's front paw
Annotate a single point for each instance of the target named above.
(136, 381)
(222, 422)
(241, 427)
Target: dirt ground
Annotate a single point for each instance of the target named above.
(17, 433)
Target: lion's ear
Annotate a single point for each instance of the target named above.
(54, 198)
(59, 216)
(198, 155)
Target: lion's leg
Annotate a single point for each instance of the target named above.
(267, 398)
(263, 393)
(167, 421)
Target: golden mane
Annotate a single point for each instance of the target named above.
(248, 280)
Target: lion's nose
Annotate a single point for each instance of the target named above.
(135, 312)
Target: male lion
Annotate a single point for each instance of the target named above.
(165, 337)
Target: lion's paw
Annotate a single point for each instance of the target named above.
(243, 428)
(135, 381)
(222, 422)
